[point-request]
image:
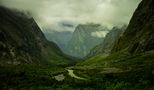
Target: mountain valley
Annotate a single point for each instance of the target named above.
(93, 57)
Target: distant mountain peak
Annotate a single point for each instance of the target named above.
(84, 38)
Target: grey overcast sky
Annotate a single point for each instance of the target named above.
(49, 12)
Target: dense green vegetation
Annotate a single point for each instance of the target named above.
(115, 72)
(28, 76)
(132, 72)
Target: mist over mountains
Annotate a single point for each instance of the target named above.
(47, 13)
(84, 38)
(23, 42)
(74, 49)
(59, 19)
(60, 38)
(107, 44)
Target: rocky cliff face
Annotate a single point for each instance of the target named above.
(139, 36)
(106, 46)
(21, 41)
(84, 38)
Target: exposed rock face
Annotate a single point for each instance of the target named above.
(106, 46)
(139, 36)
(21, 41)
(85, 38)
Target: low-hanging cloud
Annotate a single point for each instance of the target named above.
(49, 12)
(99, 34)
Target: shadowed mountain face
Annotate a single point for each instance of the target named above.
(132, 55)
(21, 41)
(60, 38)
(84, 38)
(134, 50)
(139, 36)
(110, 39)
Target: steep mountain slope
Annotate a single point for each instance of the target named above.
(84, 38)
(60, 38)
(139, 36)
(106, 46)
(136, 42)
(132, 58)
(21, 41)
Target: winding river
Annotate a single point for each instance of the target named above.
(61, 77)
(70, 73)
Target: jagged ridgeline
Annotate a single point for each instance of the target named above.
(132, 53)
(106, 46)
(139, 36)
(22, 41)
